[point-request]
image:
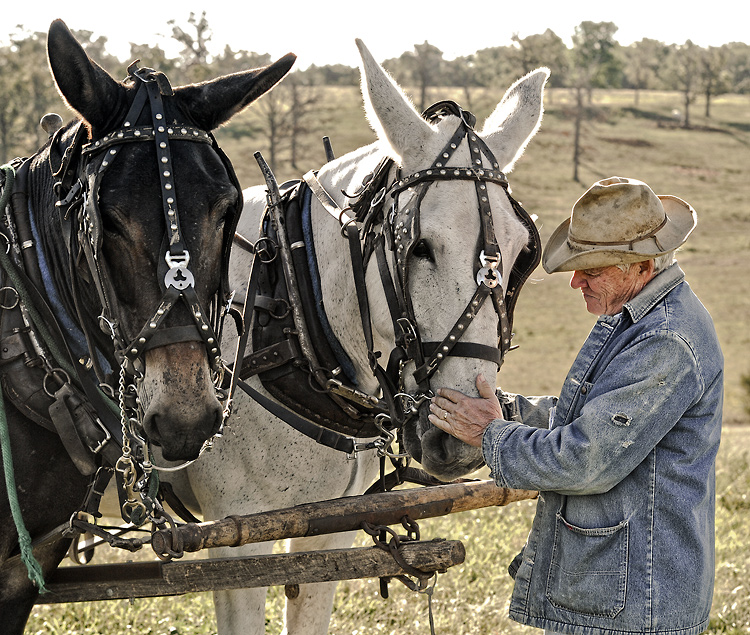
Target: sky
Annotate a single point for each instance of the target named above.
(323, 31)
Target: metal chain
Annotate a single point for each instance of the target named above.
(393, 546)
(140, 503)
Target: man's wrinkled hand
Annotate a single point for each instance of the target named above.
(464, 417)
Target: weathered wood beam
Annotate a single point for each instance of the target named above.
(341, 514)
(156, 579)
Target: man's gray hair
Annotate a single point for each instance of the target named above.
(660, 262)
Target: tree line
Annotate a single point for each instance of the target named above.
(595, 60)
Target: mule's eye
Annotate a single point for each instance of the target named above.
(224, 212)
(423, 251)
(109, 225)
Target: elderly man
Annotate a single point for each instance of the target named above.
(623, 537)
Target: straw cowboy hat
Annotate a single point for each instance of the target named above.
(618, 221)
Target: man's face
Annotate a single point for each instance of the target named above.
(607, 289)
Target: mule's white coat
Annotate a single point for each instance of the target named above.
(261, 463)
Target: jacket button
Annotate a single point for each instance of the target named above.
(584, 389)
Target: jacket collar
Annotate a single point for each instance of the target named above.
(654, 292)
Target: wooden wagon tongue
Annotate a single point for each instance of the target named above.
(372, 512)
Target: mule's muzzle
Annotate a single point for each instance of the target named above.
(440, 454)
(178, 443)
(181, 408)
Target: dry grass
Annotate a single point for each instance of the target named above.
(470, 599)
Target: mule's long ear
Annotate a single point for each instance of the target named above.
(516, 119)
(214, 102)
(85, 86)
(392, 116)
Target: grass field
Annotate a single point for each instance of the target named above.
(470, 599)
(707, 166)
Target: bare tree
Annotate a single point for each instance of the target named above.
(461, 72)
(28, 93)
(273, 112)
(714, 73)
(577, 151)
(681, 72)
(642, 61)
(303, 97)
(194, 56)
(421, 67)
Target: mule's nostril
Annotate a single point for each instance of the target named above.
(151, 428)
(218, 419)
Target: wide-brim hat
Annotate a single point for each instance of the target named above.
(618, 221)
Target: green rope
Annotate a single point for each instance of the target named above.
(24, 539)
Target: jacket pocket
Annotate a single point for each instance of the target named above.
(589, 569)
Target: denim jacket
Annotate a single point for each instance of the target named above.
(623, 537)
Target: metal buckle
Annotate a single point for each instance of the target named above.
(179, 260)
(103, 442)
(407, 329)
(178, 276)
(493, 262)
(489, 274)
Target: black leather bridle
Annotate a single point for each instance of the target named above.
(377, 223)
(79, 179)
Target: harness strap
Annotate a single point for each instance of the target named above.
(468, 349)
(133, 134)
(166, 169)
(360, 284)
(247, 309)
(427, 370)
(151, 336)
(389, 288)
(34, 569)
(46, 324)
(324, 198)
(468, 173)
(350, 231)
(319, 434)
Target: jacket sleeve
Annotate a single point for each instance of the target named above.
(617, 421)
(533, 411)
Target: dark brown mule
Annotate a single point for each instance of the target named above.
(130, 212)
